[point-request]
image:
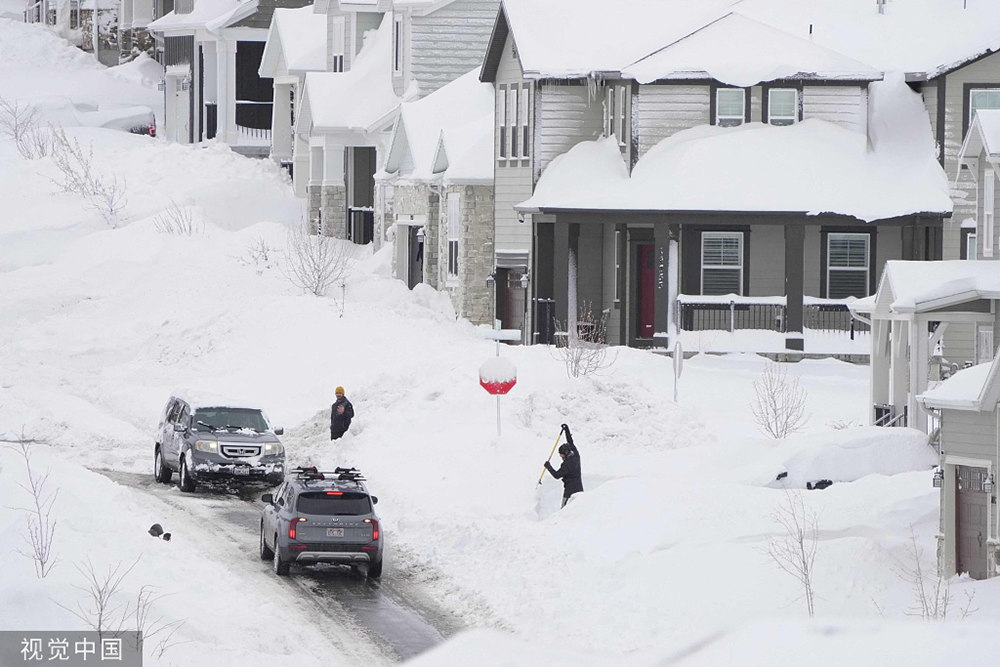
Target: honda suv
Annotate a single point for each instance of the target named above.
(204, 439)
(322, 517)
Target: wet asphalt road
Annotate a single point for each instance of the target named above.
(400, 621)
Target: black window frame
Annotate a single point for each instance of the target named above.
(967, 102)
(824, 247)
(713, 102)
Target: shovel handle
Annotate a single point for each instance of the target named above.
(550, 455)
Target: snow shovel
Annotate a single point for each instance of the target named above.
(561, 431)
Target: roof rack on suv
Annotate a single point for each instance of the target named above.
(309, 473)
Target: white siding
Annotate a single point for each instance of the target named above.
(888, 245)
(450, 42)
(567, 116)
(362, 22)
(665, 110)
(846, 105)
(960, 343)
(756, 104)
(929, 92)
(971, 434)
(513, 184)
(767, 260)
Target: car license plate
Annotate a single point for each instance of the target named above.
(334, 532)
(241, 471)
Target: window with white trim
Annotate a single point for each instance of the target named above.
(512, 109)
(397, 45)
(989, 208)
(615, 105)
(454, 224)
(983, 98)
(721, 263)
(984, 343)
(523, 116)
(970, 245)
(782, 106)
(337, 41)
(847, 265)
(730, 107)
(502, 121)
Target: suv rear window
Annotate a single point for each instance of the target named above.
(348, 503)
(212, 419)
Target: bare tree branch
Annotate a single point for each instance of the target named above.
(779, 403)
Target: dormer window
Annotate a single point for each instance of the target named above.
(615, 110)
(730, 107)
(782, 106)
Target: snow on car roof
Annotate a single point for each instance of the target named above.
(204, 399)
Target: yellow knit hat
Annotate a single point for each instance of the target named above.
(339, 390)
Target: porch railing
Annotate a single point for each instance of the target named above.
(885, 415)
(254, 119)
(361, 224)
(733, 313)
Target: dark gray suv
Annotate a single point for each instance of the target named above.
(205, 439)
(322, 517)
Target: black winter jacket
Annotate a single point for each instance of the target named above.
(339, 423)
(569, 473)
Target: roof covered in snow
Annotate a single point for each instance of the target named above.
(923, 38)
(984, 135)
(973, 389)
(359, 99)
(296, 43)
(205, 12)
(811, 167)
(440, 136)
(927, 286)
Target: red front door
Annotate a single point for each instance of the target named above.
(646, 289)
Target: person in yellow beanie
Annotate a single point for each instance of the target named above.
(341, 414)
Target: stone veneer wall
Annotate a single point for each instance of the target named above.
(312, 208)
(419, 199)
(471, 297)
(134, 41)
(333, 210)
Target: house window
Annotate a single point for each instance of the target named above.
(337, 40)
(614, 113)
(968, 244)
(847, 265)
(984, 343)
(989, 208)
(782, 106)
(982, 99)
(524, 123)
(512, 116)
(454, 213)
(729, 106)
(502, 121)
(397, 45)
(722, 263)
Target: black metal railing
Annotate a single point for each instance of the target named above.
(254, 119)
(743, 314)
(361, 225)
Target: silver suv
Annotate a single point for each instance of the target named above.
(205, 439)
(322, 517)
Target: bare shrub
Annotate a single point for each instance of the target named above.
(106, 195)
(584, 349)
(779, 404)
(19, 123)
(259, 255)
(176, 220)
(41, 526)
(794, 550)
(932, 596)
(150, 627)
(313, 263)
(843, 424)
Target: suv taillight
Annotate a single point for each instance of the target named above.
(374, 523)
(291, 527)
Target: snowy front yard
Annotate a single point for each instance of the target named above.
(667, 545)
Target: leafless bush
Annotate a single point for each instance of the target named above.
(585, 351)
(794, 550)
(149, 627)
(259, 255)
(932, 596)
(41, 526)
(843, 425)
(313, 262)
(101, 612)
(106, 195)
(19, 123)
(176, 220)
(779, 403)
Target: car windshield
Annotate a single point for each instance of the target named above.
(220, 419)
(347, 503)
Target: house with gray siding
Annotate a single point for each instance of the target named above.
(966, 405)
(691, 170)
(212, 52)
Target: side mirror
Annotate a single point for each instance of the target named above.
(374, 500)
(179, 428)
(279, 431)
(267, 498)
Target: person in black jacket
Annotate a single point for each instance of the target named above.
(341, 414)
(569, 471)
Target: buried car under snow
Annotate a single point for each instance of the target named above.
(205, 439)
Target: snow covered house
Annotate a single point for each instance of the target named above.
(390, 51)
(723, 167)
(436, 186)
(967, 405)
(211, 51)
(296, 44)
(133, 36)
(99, 30)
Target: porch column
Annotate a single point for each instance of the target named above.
(226, 95)
(946, 551)
(572, 271)
(281, 123)
(560, 269)
(916, 415)
(879, 367)
(996, 327)
(542, 282)
(898, 387)
(661, 291)
(333, 194)
(795, 235)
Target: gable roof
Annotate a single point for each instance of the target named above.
(971, 389)
(765, 54)
(296, 43)
(920, 286)
(205, 11)
(983, 135)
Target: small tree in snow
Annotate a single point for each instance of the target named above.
(779, 403)
(584, 349)
(314, 262)
(41, 527)
(19, 123)
(106, 195)
(932, 596)
(794, 550)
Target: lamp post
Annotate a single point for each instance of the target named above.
(938, 480)
(525, 281)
